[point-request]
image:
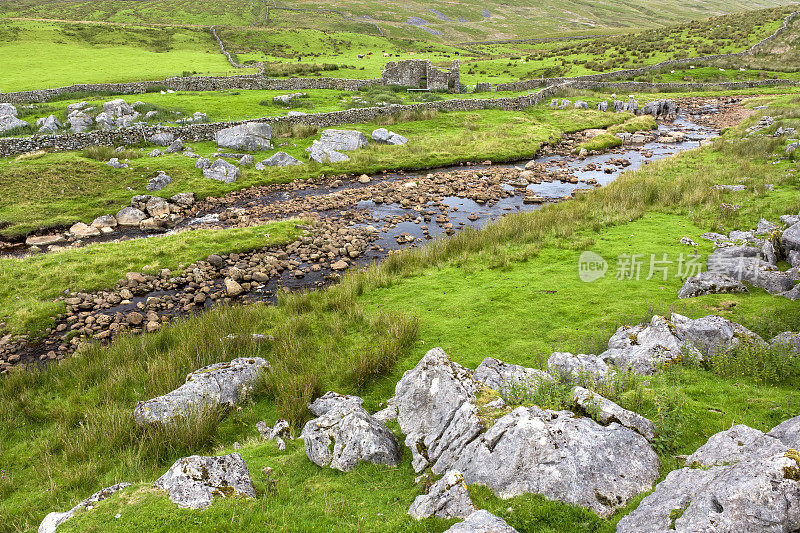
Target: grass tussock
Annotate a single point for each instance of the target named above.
(104, 153)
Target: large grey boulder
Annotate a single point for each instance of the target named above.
(447, 498)
(500, 376)
(53, 520)
(435, 410)
(130, 216)
(645, 348)
(606, 412)
(557, 454)
(333, 400)
(322, 153)
(175, 147)
(384, 136)
(251, 136)
(159, 182)
(344, 140)
(118, 108)
(221, 170)
(345, 435)
(710, 283)
(162, 139)
(48, 124)
(790, 239)
(577, 367)
(740, 480)
(482, 522)
(10, 122)
(79, 121)
(220, 384)
(712, 334)
(561, 456)
(193, 482)
(8, 110)
(281, 159)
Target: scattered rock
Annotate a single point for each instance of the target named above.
(130, 216)
(162, 139)
(159, 182)
(322, 153)
(712, 334)
(606, 412)
(384, 136)
(114, 162)
(499, 376)
(193, 482)
(577, 367)
(82, 231)
(221, 170)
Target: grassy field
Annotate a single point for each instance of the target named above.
(39, 55)
(509, 291)
(59, 189)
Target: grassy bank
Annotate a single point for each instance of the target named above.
(32, 283)
(509, 291)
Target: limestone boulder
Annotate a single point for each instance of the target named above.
(48, 124)
(281, 159)
(790, 239)
(710, 283)
(436, 411)
(323, 153)
(561, 456)
(787, 341)
(10, 122)
(250, 136)
(344, 140)
(193, 482)
(53, 520)
(8, 110)
(345, 435)
(159, 182)
(221, 170)
(578, 367)
(162, 139)
(220, 384)
(333, 400)
(607, 412)
(447, 498)
(384, 136)
(644, 348)
(712, 334)
(83, 231)
(499, 376)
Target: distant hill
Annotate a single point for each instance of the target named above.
(444, 20)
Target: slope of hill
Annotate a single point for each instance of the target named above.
(438, 19)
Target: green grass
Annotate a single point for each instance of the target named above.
(32, 283)
(62, 188)
(68, 431)
(93, 53)
(600, 143)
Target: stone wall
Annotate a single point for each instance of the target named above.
(10, 146)
(193, 83)
(634, 72)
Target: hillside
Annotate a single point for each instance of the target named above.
(436, 20)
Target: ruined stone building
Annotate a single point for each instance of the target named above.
(419, 73)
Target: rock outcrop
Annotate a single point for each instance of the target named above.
(482, 522)
(746, 481)
(343, 140)
(250, 136)
(220, 384)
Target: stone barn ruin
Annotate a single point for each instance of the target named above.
(420, 74)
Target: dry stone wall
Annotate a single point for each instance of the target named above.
(193, 83)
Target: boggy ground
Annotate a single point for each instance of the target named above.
(355, 222)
